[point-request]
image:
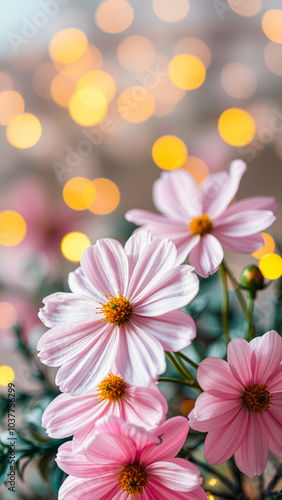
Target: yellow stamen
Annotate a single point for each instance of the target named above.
(117, 310)
(201, 225)
(112, 388)
(133, 479)
(257, 398)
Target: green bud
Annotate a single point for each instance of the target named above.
(252, 278)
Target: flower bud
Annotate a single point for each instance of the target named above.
(252, 278)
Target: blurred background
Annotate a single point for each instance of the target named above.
(87, 91)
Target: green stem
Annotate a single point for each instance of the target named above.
(175, 364)
(249, 326)
(236, 288)
(192, 363)
(224, 316)
(176, 381)
(183, 367)
(180, 368)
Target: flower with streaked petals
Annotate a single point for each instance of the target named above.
(122, 461)
(200, 222)
(77, 415)
(241, 406)
(123, 311)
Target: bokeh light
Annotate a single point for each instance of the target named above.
(187, 406)
(7, 375)
(114, 16)
(79, 193)
(68, 45)
(238, 80)
(136, 104)
(273, 57)
(91, 59)
(271, 25)
(246, 8)
(12, 228)
(8, 315)
(213, 481)
(187, 71)
(169, 152)
(88, 106)
(271, 266)
(268, 247)
(135, 53)
(107, 196)
(98, 80)
(236, 127)
(24, 131)
(196, 47)
(73, 245)
(197, 168)
(210, 496)
(5, 81)
(169, 11)
(11, 105)
(62, 89)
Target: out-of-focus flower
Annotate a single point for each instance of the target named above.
(241, 406)
(122, 311)
(68, 415)
(15, 311)
(123, 461)
(199, 221)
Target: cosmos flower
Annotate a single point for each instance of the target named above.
(77, 415)
(200, 221)
(125, 462)
(241, 406)
(123, 311)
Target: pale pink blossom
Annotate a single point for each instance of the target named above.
(241, 406)
(199, 220)
(123, 311)
(77, 415)
(125, 462)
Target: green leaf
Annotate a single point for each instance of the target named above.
(57, 477)
(275, 496)
(4, 468)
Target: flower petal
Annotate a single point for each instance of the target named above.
(110, 448)
(79, 489)
(174, 475)
(214, 376)
(211, 413)
(80, 285)
(240, 355)
(251, 456)
(268, 355)
(67, 308)
(144, 407)
(243, 224)
(206, 256)
(274, 431)
(135, 246)
(245, 245)
(253, 203)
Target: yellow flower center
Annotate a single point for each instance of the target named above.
(133, 479)
(112, 388)
(257, 398)
(117, 310)
(201, 225)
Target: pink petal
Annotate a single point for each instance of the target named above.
(140, 358)
(220, 200)
(253, 203)
(251, 456)
(173, 434)
(274, 382)
(141, 438)
(80, 285)
(135, 246)
(144, 407)
(79, 489)
(239, 355)
(67, 308)
(106, 266)
(268, 354)
(243, 224)
(206, 256)
(221, 444)
(245, 245)
(144, 217)
(174, 475)
(177, 195)
(276, 407)
(214, 376)
(115, 449)
(211, 188)
(174, 330)
(274, 431)
(211, 413)
(173, 290)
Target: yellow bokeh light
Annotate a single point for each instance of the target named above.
(210, 496)
(68, 45)
(271, 266)
(62, 89)
(88, 106)
(197, 168)
(236, 126)
(73, 245)
(107, 196)
(196, 47)
(136, 104)
(136, 52)
(238, 80)
(246, 8)
(271, 25)
(24, 131)
(213, 481)
(12, 228)
(11, 105)
(7, 375)
(114, 16)
(98, 80)
(79, 193)
(8, 315)
(273, 57)
(169, 11)
(91, 58)
(268, 247)
(169, 152)
(187, 406)
(187, 71)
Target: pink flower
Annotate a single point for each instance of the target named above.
(68, 415)
(241, 407)
(122, 311)
(199, 221)
(125, 462)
